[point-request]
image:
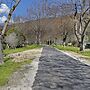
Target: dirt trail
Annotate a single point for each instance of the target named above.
(23, 79)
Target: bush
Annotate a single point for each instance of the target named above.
(14, 40)
(11, 40)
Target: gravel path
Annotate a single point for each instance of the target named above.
(58, 71)
(54, 70)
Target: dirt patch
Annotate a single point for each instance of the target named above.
(25, 55)
(23, 78)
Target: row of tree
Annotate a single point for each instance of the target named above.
(77, 11)
(47, 21)
(73, 14)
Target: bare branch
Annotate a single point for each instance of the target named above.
(9, 17)
(85, 11)
(75, 11)
(86, 25)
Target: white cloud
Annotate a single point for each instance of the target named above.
(4, 8)
(3, 19)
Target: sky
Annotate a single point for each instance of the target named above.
(22, 7)
(21, 10)
(4, 10)
(24, 4)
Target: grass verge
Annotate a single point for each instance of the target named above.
(9, 51)
(73, 49)
(8, 68)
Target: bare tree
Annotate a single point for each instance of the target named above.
(5, 26)
(37, 14)
(81, 21)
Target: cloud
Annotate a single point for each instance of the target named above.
(3, 19)
(4, 8)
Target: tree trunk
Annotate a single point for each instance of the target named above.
(81, 43)
(65, 38)
(64, 43)
(81, 46)
(1, 53)
(39, 37)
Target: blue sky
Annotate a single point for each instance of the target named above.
(22, 7)
(24, 4)
(21, 10)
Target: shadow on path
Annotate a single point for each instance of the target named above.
(58, 71)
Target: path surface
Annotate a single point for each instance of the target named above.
(58, 71)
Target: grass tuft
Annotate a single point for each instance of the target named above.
(8, 68)
(9, 51)
(73, 49)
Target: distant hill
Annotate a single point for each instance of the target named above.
(50, 29)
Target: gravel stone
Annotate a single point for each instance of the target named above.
(58, 71)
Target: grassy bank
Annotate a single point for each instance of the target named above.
(9, 51)
(9, 67)
(73, 49)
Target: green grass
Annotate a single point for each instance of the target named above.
(8, 68)
(73, 49)
(86, 53)
(9, 51)
(67, 48)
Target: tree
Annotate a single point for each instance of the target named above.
(81, 21)
(36, 13)
(16, 2)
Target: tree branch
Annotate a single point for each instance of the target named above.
(85, 11)
(86, 25)
(75, 10)
(9, 17)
